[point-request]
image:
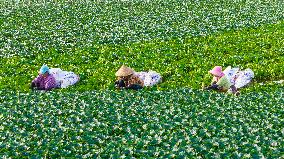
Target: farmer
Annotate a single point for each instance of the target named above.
(44, 81)
(126, 78)
(220, 82)
(129, 79)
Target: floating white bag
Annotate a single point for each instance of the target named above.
(231, 74)
(244, 78)
(64, 78)
(149, 78)
(141, 75)
(70, 78)
(152, 78)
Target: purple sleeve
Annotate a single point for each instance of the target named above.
(37, 79)
(50, 83)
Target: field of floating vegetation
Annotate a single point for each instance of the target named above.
(182, 40)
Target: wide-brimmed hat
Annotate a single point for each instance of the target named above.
(44, 69)
(124, 71)
(217, 71)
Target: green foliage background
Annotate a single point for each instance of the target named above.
(182, 40)
(151, 124)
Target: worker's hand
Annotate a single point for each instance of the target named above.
(212, 87)
(220, 88)
(134, 87)
(119, 84)
(32, 85)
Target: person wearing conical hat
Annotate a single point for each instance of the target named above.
(44, 81)
(220, 82)
(126, 78)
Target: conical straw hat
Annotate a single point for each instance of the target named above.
(124, 71)
(217, 71)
